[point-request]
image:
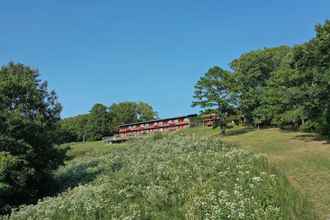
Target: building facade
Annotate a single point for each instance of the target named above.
(161, 125)
(209, 120)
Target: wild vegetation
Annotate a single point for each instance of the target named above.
(176, 177)
(287, 87)
(302, 157)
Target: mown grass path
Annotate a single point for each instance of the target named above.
(304, 157)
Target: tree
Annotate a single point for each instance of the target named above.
(29, 114)
(303, 86)
(321, 73)
(131, 112)
(103, 121)
(145, 112)
(216, 89)
(74, 128)
(281, 86)
(253, 70)
(99, 122)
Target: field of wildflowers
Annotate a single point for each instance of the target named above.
(171, 177)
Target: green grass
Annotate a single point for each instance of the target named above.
(174, 176)
(303, 157)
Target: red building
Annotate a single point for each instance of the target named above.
(209, 119)
(161, 125)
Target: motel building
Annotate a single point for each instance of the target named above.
(160, 125)
(209, 120)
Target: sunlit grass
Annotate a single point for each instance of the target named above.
(173, 176)
(303, 157)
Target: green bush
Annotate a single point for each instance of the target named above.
(175, 177)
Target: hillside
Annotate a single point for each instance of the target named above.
(176, 176)
(303, 157)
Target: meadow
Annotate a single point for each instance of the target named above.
(303, 157)
(173, 176)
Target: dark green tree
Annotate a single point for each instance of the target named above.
(253, 70)
(131, 112)
(99, 122)
(302, 86)
(216, 90)
(74, 128)
(29, 114)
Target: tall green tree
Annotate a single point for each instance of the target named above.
(74, 128)
(252, 71)
(29, 116)
(302, 86)
(145, 112)
(216, 90)
(281, 86)
(131, 112)
(99, 122)
(320, 86)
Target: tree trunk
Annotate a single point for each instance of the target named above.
(223, 130)
(222, 125)
(221, 121)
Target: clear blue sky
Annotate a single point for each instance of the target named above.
(108, 51)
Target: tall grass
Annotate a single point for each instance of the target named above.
(171, 177)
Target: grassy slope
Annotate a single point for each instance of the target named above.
(172, 177)
(303, 157)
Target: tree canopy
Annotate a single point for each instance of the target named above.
(29, 116)
(103, 121)
(288, 87)
(131, 112)
(216, 89)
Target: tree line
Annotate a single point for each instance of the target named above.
(103, 121)
(286, 87)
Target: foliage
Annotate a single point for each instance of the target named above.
(99, 122)
(103, 121)
(73, 128)
(216, 89)
(252, 72)
(173, 177)
(131, 112)
(29, 114)
(282, 86)
(306, 91)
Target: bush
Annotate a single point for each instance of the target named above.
(158, 136)
(310, 126)
(324, 127)
(175, 177)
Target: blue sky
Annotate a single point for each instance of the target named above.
(154, 51)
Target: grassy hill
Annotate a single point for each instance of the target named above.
(191, 175)
(303, 157)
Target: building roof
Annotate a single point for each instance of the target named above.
(157, 120)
